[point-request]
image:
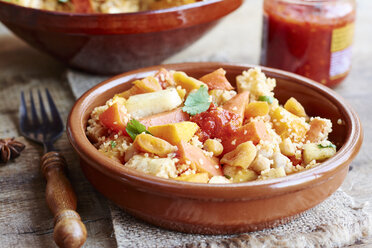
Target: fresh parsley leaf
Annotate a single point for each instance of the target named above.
(197, 102)
(134, 128)
(113, 144)
(228, 177)
(320, 146)
(268, 99)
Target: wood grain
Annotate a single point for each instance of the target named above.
(25, 220)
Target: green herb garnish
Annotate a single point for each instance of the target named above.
(320, 146)
(268, 99)
(113, 144)
(197, 102)
(63, 1)
(135, 128)
(228, 177)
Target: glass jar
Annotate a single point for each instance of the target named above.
(312, 38)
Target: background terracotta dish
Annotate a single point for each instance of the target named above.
(216, 209)
(113, 43)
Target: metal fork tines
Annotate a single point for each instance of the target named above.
(36, 125)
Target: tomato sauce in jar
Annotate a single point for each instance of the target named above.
(312, 38)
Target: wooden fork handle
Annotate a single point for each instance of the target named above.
(69, 231)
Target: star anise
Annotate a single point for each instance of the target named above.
(10, 149)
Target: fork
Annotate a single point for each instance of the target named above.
(69, 231)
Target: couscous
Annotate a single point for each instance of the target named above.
(175, 126)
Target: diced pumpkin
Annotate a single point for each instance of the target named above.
(255, 109)
(148, 143)
(253, 131)
(186, 82)
(175, 132)
(319, 129)
(315, 152)
(288, 125)
(237, 104)
(148, 84)
(153, 103)
(242, 156)
(194, 178)
(238, 174)
(173, 116)
(134, 90)
(197, 159)
(217, 80)
(115, 117)
(293, 106)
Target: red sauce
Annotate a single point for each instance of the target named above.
(310, 39)
(216, 123)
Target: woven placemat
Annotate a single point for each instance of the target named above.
(336, 222)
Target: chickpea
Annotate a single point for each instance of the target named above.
(261, 163)
(212, 145)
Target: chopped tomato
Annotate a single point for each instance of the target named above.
(115, 118)
(215, 123)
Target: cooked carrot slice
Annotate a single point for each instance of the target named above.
(217, 80)
(237, 104)
(253, 131)
(173, 116)
(115, 117)
(317, 127)
(198, 159)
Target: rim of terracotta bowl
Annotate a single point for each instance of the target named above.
(119, 23)
(245, 190)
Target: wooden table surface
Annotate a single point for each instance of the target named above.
(24, 218)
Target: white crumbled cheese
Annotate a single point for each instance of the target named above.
(219, 179)
(339, 122)
(235, 108)
(255, 81)
(233, 142)
(161, 167)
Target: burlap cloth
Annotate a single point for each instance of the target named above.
(337, 222)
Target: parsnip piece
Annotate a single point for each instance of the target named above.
(152, 103)
(242, 156)
(194, 178)
(238, 174)
(313, 151)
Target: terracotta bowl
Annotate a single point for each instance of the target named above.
(219, 209)
(113, 43)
